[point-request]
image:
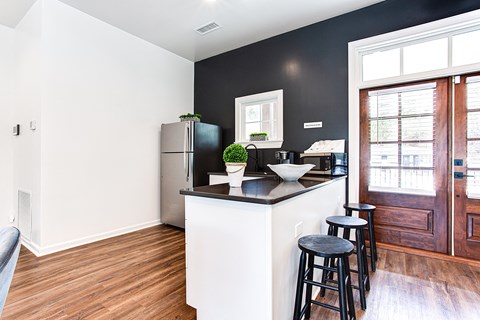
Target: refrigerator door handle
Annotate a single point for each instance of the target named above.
(186, 138)
(186, 161)
(188, 166)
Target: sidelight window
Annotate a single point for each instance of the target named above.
(402, 137)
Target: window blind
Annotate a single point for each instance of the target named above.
(402, 138)
(473, 137)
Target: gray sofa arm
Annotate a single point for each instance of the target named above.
(9, 250)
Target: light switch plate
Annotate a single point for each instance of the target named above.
(16, 130)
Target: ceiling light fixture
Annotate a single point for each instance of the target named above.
(209, 27)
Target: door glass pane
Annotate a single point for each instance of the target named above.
(473, 154)
(417, 128)
(473, 134)
(402, 143)
(473, 183)
(383, 130)
(417, 179)
(417, 155)
(426, 56)
(387, 105)
(384, 155)
(417, 102)
(473, 125)
(466, 48)
(380, 177)
(473, 95)
(381, 65)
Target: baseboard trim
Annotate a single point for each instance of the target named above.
(429, 254)
(42, 251)
(32, 247)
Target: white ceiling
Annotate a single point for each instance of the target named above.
(170, 24)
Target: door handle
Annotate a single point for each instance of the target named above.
(461, 175)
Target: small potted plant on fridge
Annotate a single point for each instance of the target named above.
(258, 136)
(190, 117)
(235, 157)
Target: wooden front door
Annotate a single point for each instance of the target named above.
(467, 167)
(404, 162)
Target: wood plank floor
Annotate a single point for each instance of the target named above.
(141, 275)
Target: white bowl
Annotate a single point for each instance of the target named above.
(290, 172)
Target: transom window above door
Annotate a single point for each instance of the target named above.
(401, 124)
(262, 112)
(439, 51)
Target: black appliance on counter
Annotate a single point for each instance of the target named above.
(285, 157)
(327, 163)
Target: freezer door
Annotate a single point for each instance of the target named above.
(176, 171)
(177, 137)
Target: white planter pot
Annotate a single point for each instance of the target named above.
(235, 173)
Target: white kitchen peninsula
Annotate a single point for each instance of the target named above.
(241, 244)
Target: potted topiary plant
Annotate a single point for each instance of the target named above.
(235, 157)
(190, 117)
(258, 136)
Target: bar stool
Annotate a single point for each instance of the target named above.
(358, 224)
(327, 247)
(369, 209)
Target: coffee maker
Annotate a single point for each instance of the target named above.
(285, 157)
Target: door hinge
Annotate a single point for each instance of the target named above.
(456, 79)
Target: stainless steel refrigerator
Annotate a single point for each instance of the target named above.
(189, 150)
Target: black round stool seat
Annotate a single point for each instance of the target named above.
(359, 206)
(346, 222)
(325, 246)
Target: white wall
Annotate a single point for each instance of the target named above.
(106, 95)
(27, 106)
(6, 152)
(99, 97)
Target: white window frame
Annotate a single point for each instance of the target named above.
(240, 118)
(429, 31)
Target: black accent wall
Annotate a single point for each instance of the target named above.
(311, 66)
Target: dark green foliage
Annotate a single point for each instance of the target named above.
(190, 115)
(235, 153)
(254, 134)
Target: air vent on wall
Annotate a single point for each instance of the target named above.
(25, 214)
(209, 27)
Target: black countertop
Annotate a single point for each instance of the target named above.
(263, 174)
(262, 191)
